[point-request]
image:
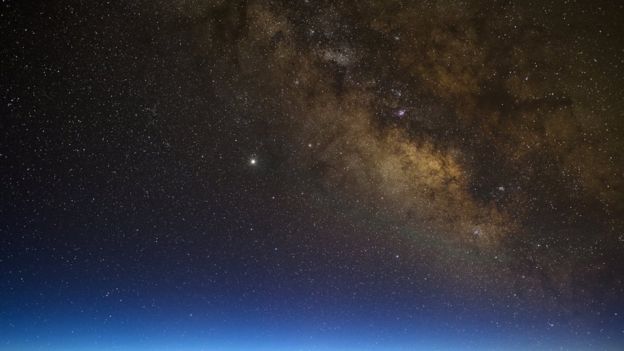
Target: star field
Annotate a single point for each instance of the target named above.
(312, 175)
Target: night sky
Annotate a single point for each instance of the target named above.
(311, 175)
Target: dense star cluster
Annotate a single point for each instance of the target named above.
(312, 175)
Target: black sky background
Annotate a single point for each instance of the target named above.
(128, 130)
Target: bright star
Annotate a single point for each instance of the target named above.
(400, 113)
(253, 161)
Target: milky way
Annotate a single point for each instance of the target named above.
(507, 146)
(387, 155)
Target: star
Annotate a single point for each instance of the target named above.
(400, 113)
(253, 161)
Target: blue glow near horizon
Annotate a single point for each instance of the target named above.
(200, 334)
(124, 324)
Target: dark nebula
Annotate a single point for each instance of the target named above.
(312, 175)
